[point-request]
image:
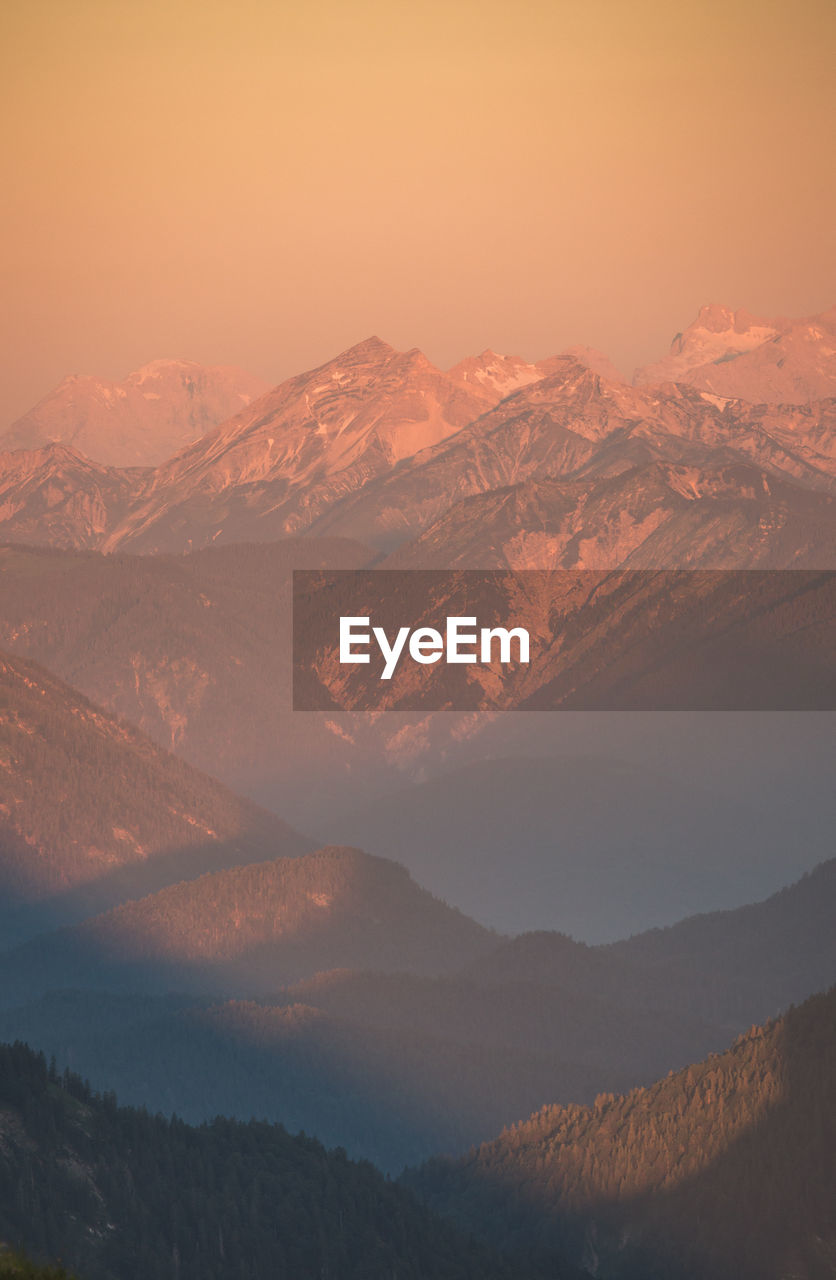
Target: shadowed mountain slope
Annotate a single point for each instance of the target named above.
(392, 1094)
(733, 967)
(91, 812)
(393, 1065)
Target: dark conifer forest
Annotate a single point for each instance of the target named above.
(119, 1194)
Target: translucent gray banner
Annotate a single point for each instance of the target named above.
(545, 640)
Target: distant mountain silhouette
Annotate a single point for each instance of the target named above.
(734, 967)
(140, 421)
(598, 846)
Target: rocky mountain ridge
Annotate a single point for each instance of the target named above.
(378, 444)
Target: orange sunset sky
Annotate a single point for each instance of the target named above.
(255, 183)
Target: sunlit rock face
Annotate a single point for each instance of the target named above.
(52, 496)
(576, 471)
(378, 445)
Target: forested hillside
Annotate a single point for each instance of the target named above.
(249, 930)
(393, 1067)
(724, 1169)
(119, 1193)
(425, 1055)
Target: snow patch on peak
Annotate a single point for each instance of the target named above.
(717, 334)
(499, 374)
(719, 402)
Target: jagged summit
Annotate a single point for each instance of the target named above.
(373, 346)
(716, 317)
(52, 452)
(717, 332)
(304, 445)
(735, 354)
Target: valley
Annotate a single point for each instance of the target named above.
(386, 937)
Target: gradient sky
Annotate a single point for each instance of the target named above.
(242, 181)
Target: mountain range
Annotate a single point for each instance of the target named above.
(379, 445)
(140, 421)
(396, 963)
(362, 1005)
